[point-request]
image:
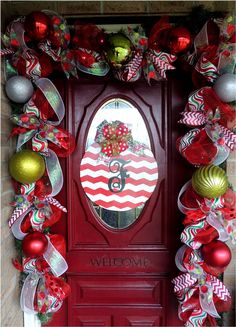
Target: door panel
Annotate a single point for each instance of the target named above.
(122, 277)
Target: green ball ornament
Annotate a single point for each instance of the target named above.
(26, 166)
(210, 181)
(119, 49)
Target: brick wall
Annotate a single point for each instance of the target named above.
(11, 314)
(87, 8)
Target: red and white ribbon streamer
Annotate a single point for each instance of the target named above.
(134, 65)
(207, 69)
(55, 203)
(6, 52)
(162, 61)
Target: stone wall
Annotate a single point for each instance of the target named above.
(10, 313)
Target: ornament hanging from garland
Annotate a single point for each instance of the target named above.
(26, 166)
(118, 173)
(19, 89)
(210, 181)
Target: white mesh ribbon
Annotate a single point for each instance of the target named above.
(28, 293)
(55, 260)
(16, 227)
(214, 221)
(206, 301)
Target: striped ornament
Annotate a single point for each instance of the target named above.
(124, 185)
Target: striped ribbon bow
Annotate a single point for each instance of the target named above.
(200, 118)
(207, 286)
(161, 61)
(39, 209)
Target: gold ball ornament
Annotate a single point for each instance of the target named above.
(210, 181)
(26, 166)
(119, 49)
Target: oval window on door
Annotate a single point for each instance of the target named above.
(122, 110)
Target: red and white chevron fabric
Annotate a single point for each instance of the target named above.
(56, 203)
(134, 65)
(193, 118)
(118, 183)
(229, 137)
(17, 213)
(183, 281)
(219, 288)
(6, 52)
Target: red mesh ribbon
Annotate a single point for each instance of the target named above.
(57, 287)
(197, 147)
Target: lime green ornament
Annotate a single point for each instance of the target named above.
(26, 166)
(118, 49)
(210, 181)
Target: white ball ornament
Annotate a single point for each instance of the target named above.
(225, 87)
(19, 89)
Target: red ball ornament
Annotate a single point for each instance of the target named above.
(179, 40)
(216, 254)
(37, 25)
(34, 244)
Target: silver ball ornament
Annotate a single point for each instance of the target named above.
(225, 87)
(19, 89)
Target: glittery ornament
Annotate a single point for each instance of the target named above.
(210, 181)
(34, 244)
(37, 25)
(225, 87)
(119, 49)
(26, 166)
(19, 89)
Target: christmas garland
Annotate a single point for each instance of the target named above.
(40, 43)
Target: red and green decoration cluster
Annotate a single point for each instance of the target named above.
(41, 43)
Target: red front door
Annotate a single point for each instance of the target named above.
(120, 267)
